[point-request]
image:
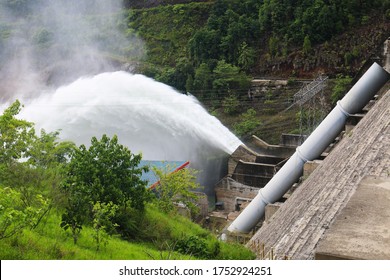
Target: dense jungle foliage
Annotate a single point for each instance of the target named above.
(187, 44)
(213, 49)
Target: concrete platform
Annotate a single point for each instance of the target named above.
(362, 229)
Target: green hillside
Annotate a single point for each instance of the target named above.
(163, 239)
(271, 37)
(212, 49)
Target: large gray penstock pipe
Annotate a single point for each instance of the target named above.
(353, 102)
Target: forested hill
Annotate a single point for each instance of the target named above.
(154, 3)
(191, 44)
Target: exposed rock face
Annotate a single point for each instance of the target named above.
(299, 225)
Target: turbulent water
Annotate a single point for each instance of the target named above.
(149, 117)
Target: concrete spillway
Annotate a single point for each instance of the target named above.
(354, 101)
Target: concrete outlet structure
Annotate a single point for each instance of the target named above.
(250, 168)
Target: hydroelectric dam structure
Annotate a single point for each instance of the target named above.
(353, 102)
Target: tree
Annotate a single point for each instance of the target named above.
(189, 83)
(204, 45)
(247, 56)
(47, 151)
(24, 160)
(306, 45)
(178, 75)
(273, 45)
(16, 216)
(248, 122)
(102, 225)
(176, 187)
(77, 212)
(110, 171)
(16, 135)
(230, 104)
(230, 41)
(202, 80)
(229, 79)
(29, 164)
(107, 172)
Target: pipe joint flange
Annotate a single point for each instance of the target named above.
(342, 110)
(301, 155)
(262, 197)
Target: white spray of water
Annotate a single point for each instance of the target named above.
(148, 117)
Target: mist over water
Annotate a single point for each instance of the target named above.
(47, 44)
(50, 43)
(149, 117)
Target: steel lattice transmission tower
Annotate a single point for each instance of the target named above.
(311, 101)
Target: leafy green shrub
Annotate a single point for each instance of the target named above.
(247, 56)
(107, 172)
(365, 19)
(129, 222)
(16, 216)
(229, 78)
(193, 245)
(231, 105)
(102, 224)
(176, 187)
(248, 122)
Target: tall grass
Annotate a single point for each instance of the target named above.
(49, 241)
(159, 236)
(167, 232)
